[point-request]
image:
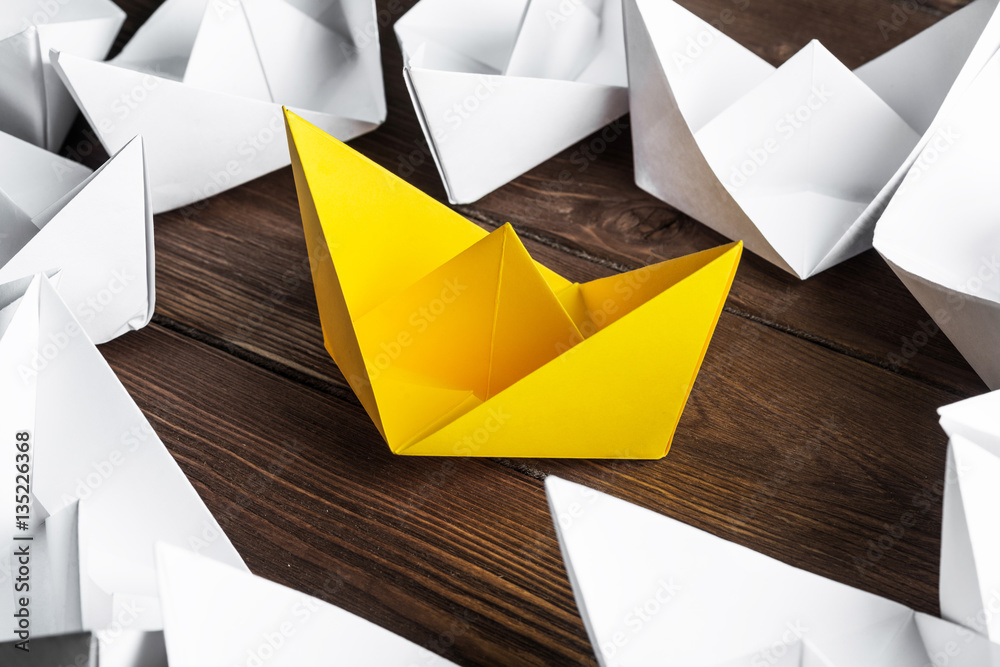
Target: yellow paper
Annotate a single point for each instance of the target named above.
(457, 343)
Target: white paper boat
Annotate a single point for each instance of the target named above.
(204, 82)
(970, 533)
(97, 229)
(215, 614)
(103, 487)
(941, 231)
(34, 104)
(500, 86)
(797, 161)
(654, 591)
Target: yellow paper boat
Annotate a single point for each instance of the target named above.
(458, 344)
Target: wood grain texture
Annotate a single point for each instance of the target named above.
(801, 440)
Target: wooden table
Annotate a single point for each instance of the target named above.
(801, 439)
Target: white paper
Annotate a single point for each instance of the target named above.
(217, 615)
(500, 86)
(654, 591)
(51, 582)
(91, 447)
(797, 161)
(34, 104)
(203, 81)
(970, 534)
(33, 178)
(132, 648)
(940, 232)
(97, 229)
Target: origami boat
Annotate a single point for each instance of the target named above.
(940, 233)
(239, 610)
(203, 83)
(34, 104)
(654, 591)
(104, 488)
(457, 343)
(500, 86)
(94, 230)
(797, 161)
(970, 535)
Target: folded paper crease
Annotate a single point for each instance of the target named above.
(204, 81)
(655, 591)
(458, 343)
(501, 86)
(799, 161)
(95, 228)
(939, 234)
